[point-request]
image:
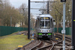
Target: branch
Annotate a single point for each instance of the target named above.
(57, 10)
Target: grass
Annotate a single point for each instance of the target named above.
(11, 42)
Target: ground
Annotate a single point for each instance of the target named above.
(11, 42)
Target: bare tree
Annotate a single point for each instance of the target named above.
(24, 11)
(57, 12)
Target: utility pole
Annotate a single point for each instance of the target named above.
(73, 24)
(28, 19)
(47, 7)
(63, 31)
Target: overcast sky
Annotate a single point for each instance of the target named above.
(18, 3)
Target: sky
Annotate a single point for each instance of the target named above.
(18, 3)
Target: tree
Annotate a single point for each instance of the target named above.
(57, 12)
(69, 13)
(24, 11)
(9, 13)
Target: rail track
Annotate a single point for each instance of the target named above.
(42, 45)
(49, 44)
(31, 45)
(68, 44)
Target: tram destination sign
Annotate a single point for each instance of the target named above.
(47, 18)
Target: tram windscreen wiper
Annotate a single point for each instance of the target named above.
(45, 24)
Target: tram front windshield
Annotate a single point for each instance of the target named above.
(45, 23)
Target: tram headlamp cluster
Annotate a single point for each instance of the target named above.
(47, 30)
(41, 31)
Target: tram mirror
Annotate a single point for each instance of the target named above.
(54, 23)
(53, 20)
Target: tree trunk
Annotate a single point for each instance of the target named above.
(4, 24)
(57, 26)
(14, 24)
(7, 24)
(22, 23)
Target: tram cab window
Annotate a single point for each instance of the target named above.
(42, 24)
(45, 22)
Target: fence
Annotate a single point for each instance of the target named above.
(68, 30)
(6, 30)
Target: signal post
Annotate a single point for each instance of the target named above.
(63, 31)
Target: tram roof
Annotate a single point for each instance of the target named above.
(45, 15)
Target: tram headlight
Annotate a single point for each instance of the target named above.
(47, 30)
(41, 31)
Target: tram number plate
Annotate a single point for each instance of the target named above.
(43, 34)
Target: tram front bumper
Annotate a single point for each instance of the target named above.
(40, 35)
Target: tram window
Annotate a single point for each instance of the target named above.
(41, 24)
(47, 24)
(51, 23)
